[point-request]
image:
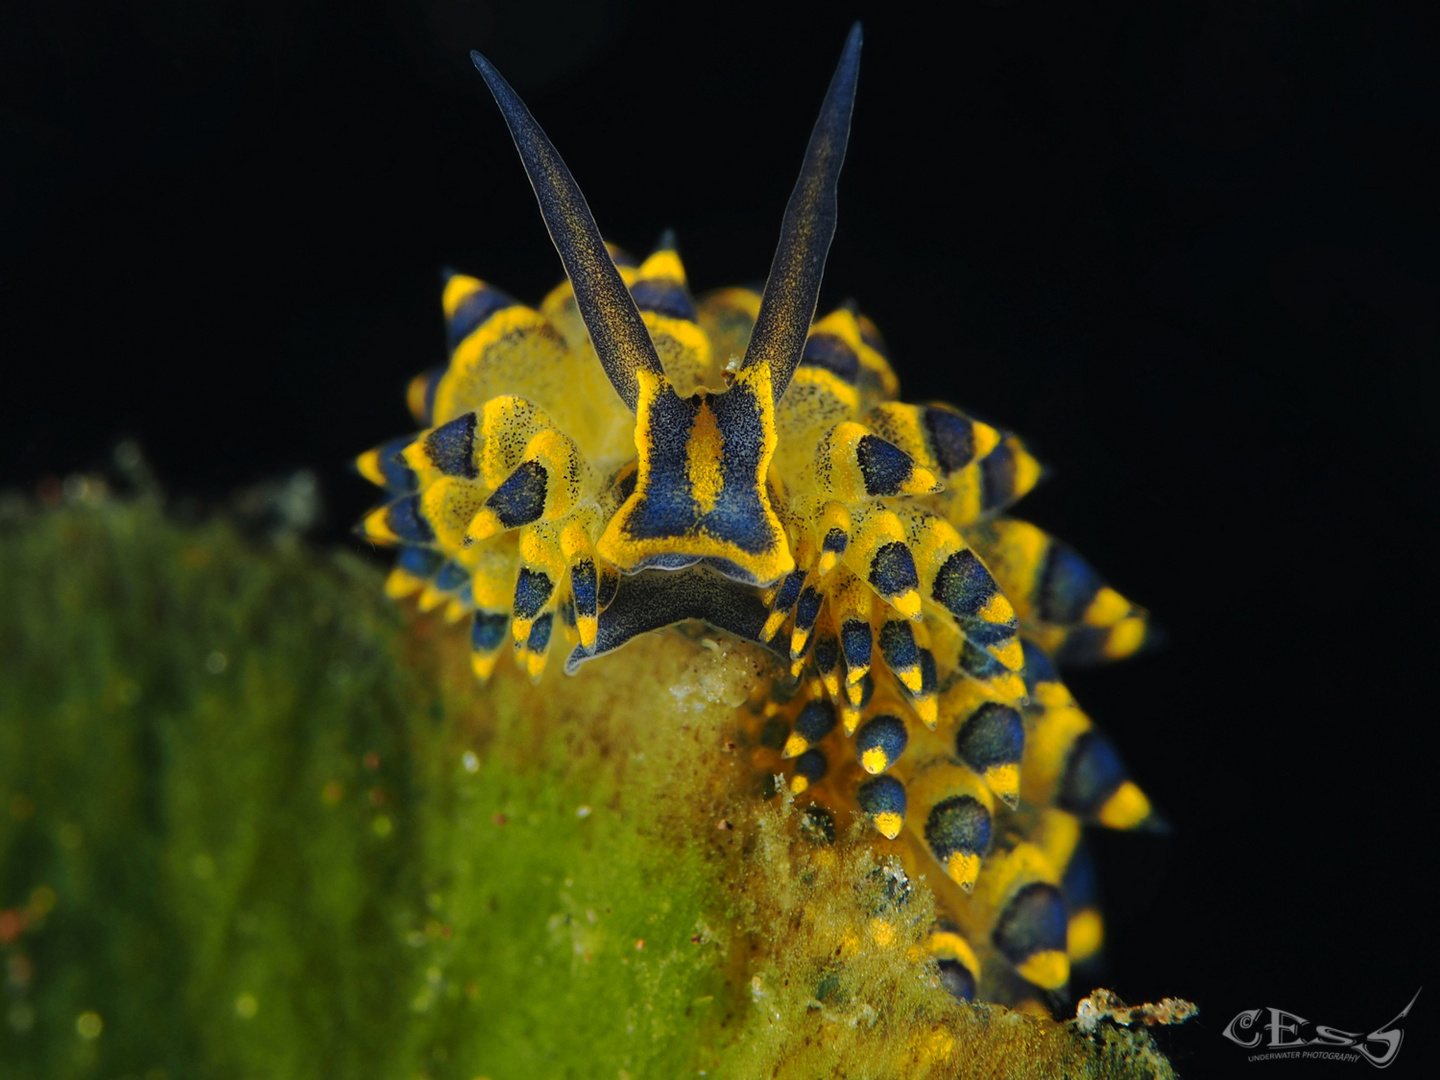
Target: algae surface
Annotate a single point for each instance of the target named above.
(255, 820)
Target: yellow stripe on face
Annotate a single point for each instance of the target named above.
(655, 524)
(911, 678)
(795, 745)
(704, 456)
(506, 354)
(1010, 653)
(493, 566)
(927, 709)
(841, 322)
(962, 496)
(986, 439)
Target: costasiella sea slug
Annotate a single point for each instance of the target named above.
(625, 458)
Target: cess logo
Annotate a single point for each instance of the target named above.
(1379, 1047)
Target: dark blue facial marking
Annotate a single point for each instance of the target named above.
(451, 577)
(884, 733)
(808, 608)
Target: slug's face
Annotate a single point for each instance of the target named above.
(625, 457)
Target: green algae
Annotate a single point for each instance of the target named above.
(256, 820)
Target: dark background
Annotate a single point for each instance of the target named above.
(1189, 250)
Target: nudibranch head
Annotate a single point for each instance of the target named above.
(624, 457)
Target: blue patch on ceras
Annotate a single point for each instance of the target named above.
(1093, 770)
(885, 467)
(959, 825)
(816, 720)
(398, 476)
(473, 312)
(880, 742)
(992, 735)
(667, 298)
(1033, 921)
(451, 447)
(951, 438)
(520, 499)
